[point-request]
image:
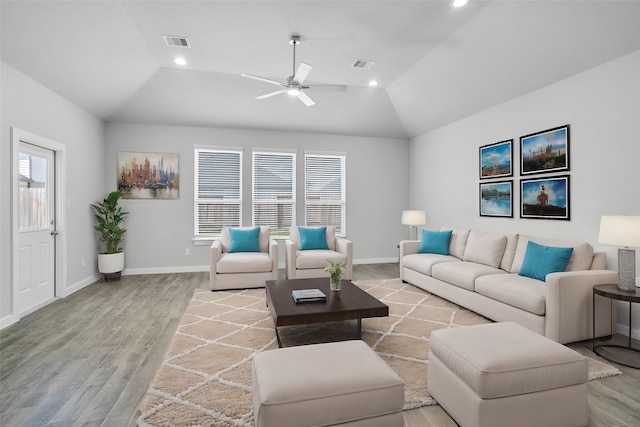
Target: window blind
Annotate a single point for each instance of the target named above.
(325, 191)
(274, 190)
(218, 190)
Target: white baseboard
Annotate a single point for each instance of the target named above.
(8, 320)
(624, 330)
(81, 284)
(165, 270)
(375, 260)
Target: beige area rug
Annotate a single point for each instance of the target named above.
(205, 378)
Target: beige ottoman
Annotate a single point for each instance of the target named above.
(343, 383)
(503, 374)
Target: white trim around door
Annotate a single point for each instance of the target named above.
(19, 136)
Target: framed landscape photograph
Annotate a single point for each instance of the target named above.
(148, 175)
(496, 160)
(545, 198)
(546, 151)
(496, 199)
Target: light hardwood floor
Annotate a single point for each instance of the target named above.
(88, 359)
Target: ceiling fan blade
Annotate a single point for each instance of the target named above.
(336, 88)
(305, 99)
(270, 94)
(302, 73)
(262, 79)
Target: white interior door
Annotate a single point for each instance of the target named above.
(36, 250)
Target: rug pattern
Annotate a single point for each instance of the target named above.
(205, 378)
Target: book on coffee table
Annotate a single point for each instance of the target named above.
(308, 295)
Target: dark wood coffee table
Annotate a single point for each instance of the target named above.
(349, 303)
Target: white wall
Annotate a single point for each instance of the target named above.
(159, 231)
(31, 107)
(602, 106)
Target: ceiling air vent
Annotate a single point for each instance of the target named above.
(363, 63)
(176, 41)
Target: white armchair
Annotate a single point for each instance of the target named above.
(309, 263)
(240, 270)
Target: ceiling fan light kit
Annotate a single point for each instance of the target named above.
(294, 85)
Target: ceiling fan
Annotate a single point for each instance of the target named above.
(294, 85)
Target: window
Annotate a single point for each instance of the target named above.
(324, 181)
(274, 190)
(218, 190)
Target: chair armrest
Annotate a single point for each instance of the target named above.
(290, 249)
(215, 251)
(345, 247)
(273, 255)
(569, 305)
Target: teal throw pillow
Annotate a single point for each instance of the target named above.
(244, 240)
(435, 242)
(541, 260)
(313, 238)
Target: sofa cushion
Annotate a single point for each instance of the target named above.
(313, 238)
(580, 259)
(244, 240)
(509, 252)
(541, 260)
(317, 258)
(294, 236)
(423, 263)
(263, 239)
(485, 248)
(435, 242)
(458, 241)
(462, 274)
(518, 291)
(244, 262)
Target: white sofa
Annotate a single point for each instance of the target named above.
(481, 274)
(304, 264)
(240, 270)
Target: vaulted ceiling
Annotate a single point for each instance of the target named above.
(435, 64)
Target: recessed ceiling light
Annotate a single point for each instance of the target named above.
(180, 61)
(459, 3)
(373, 83)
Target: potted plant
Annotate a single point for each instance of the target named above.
(335, 270)
(111, 233)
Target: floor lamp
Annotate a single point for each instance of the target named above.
(622, 231)
(413, 218)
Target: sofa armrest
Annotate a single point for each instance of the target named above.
(345, 247)
(408, 247)
(569, 305)
(290, 249)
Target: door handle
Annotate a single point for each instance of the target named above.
(54, 232)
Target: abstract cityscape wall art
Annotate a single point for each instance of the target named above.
(143, 175)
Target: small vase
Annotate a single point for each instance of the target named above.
(334, 285)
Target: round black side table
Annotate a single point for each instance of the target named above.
(613, 293)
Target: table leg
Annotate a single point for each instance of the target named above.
(593, 322)
(278, 337)
(630, 324)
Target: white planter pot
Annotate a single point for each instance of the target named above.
(111, 263)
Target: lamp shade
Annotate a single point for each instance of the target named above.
(620, 230)
(412, 217)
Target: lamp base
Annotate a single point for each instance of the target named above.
(627, 270)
